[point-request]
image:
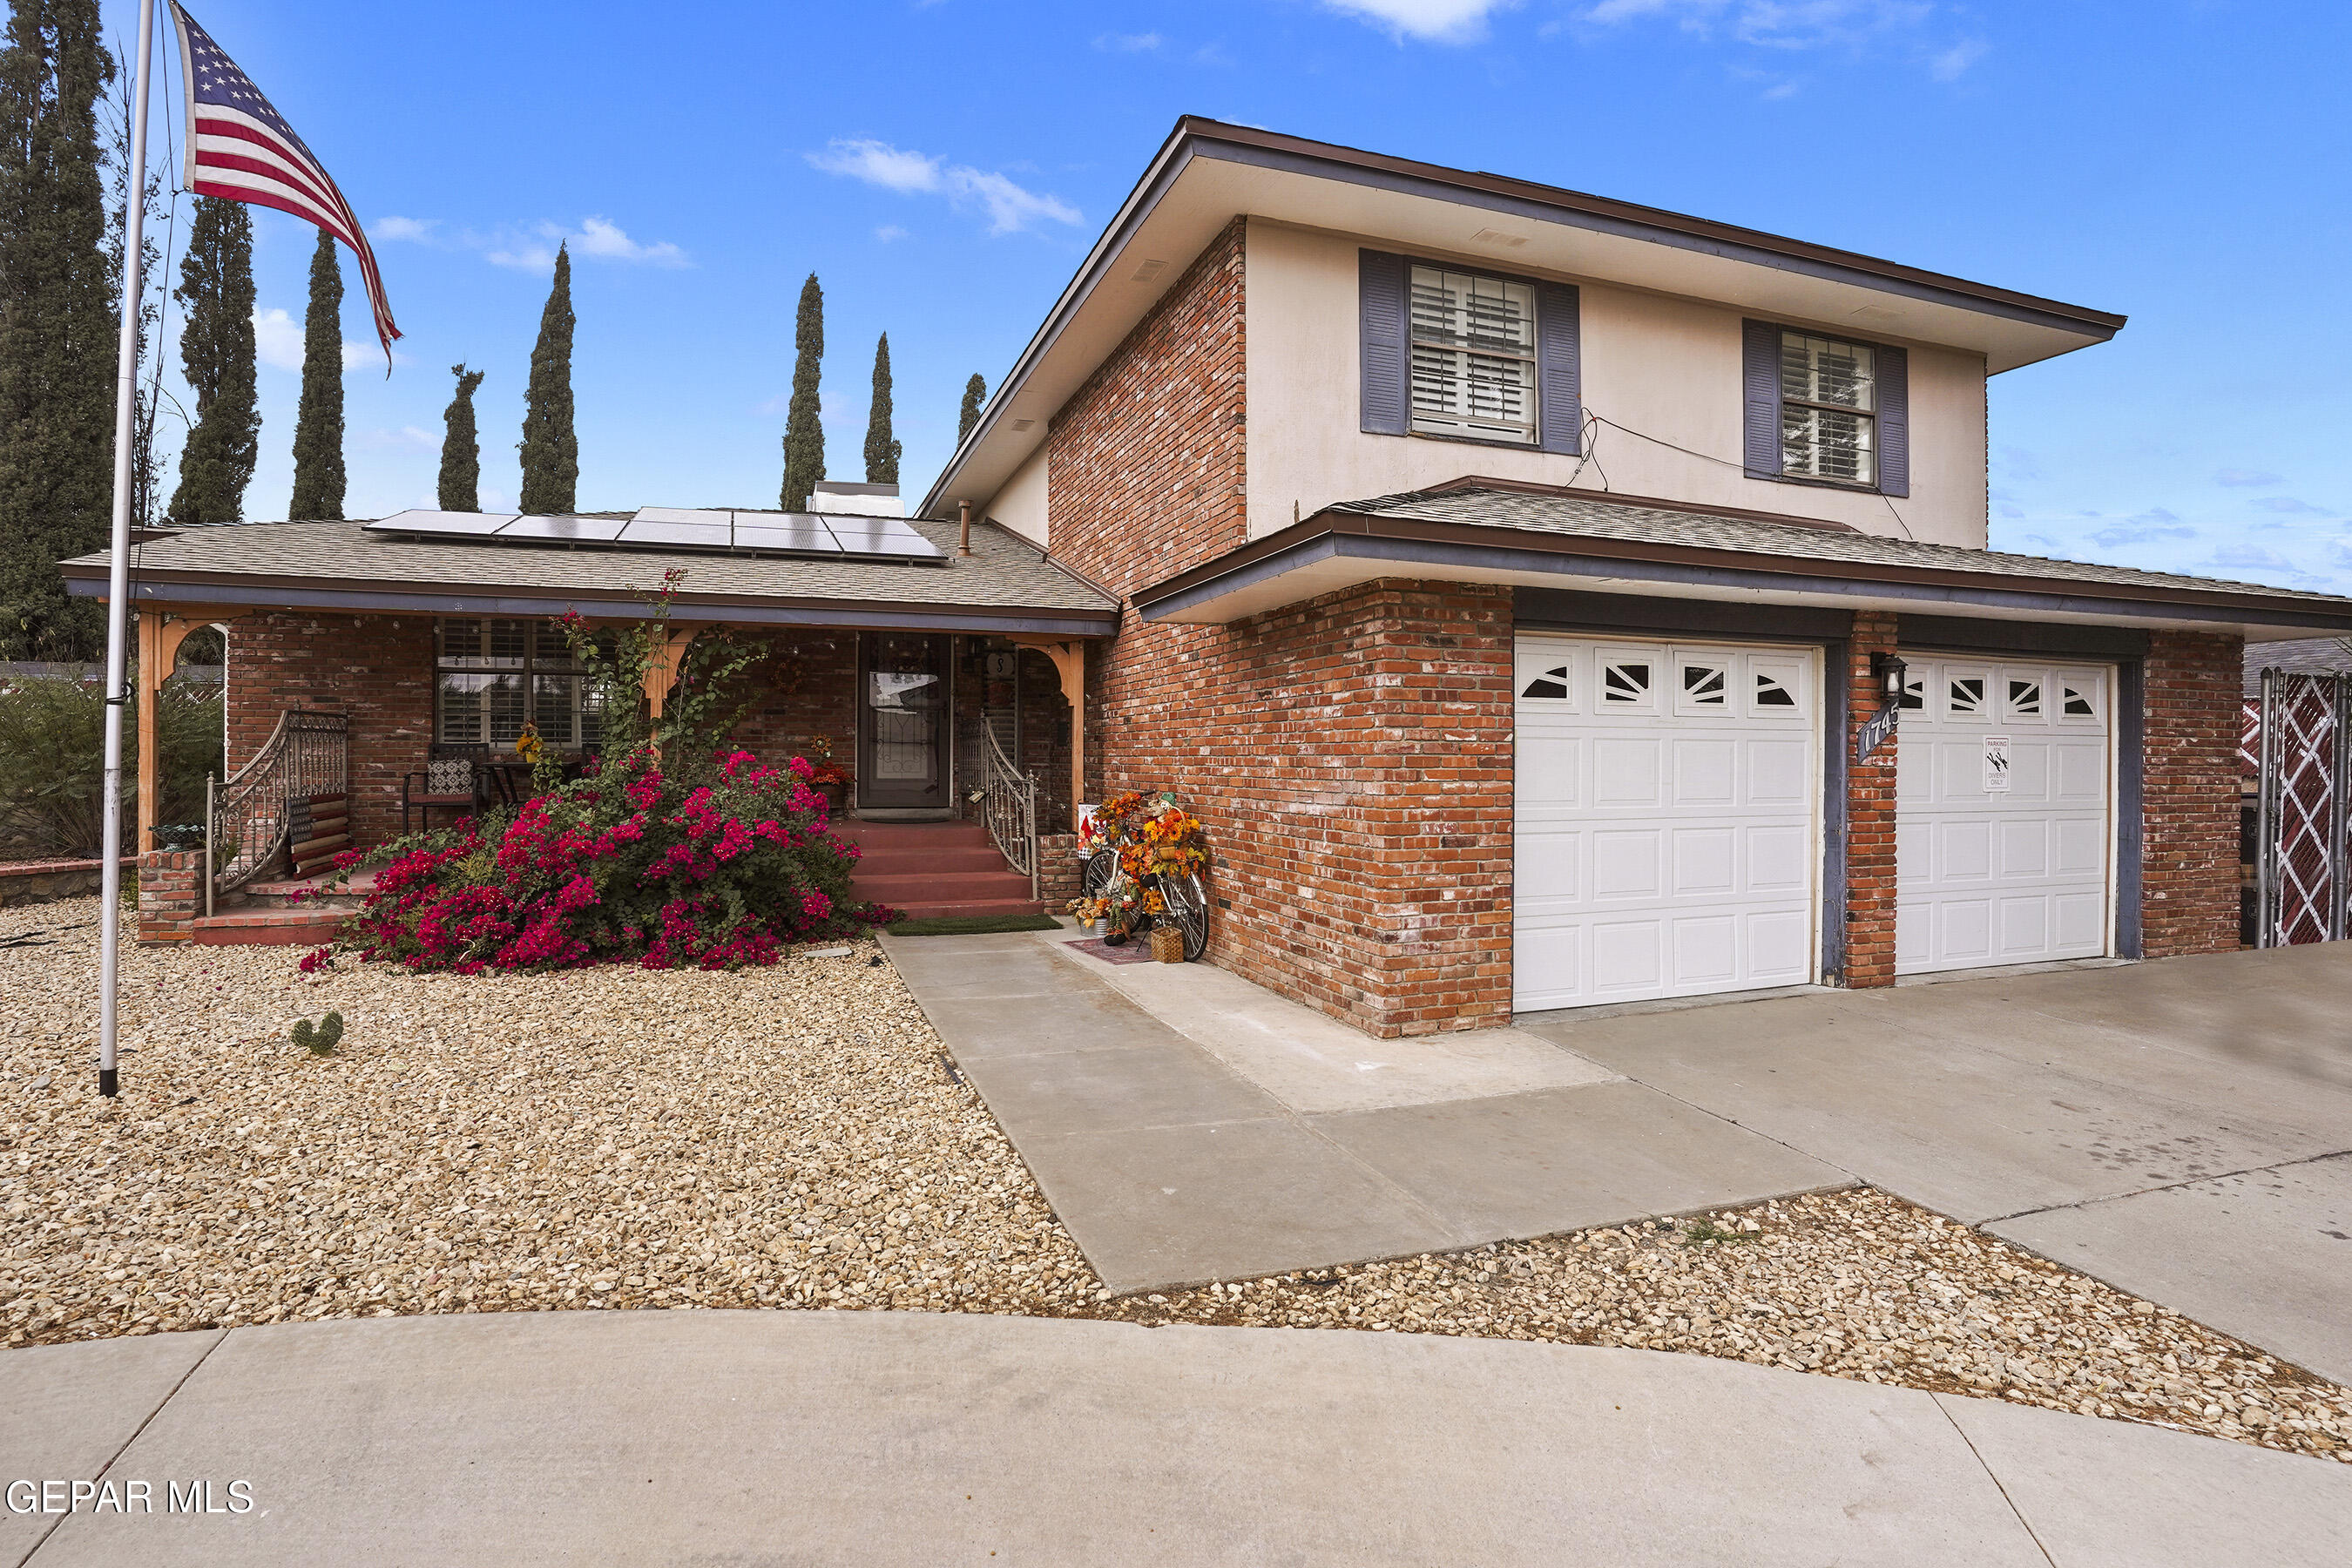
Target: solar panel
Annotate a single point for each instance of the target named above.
(680, 527)
(562, 530)
(880, 536)
(782, 533)
(475, 524)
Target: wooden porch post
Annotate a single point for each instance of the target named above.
(664, 669)
(161, 633)
(1070, 662)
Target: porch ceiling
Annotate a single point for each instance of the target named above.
(1472, 533)
(1005, 586)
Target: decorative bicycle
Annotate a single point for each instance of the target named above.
(1147, 871)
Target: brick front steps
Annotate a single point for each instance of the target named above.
(932, 868)
(313, 926)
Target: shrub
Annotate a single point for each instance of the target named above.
(53, 761)
(673, 853)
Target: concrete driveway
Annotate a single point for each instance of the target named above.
(2182, 1129)
(892, 1437)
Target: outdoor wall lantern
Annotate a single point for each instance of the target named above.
(1889, 671)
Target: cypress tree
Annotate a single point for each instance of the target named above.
(318, 417)
(461, 451)
(975, 392)
(216, 358)
(58, 325)
(881, 449)
(803, 429)
(551, 452)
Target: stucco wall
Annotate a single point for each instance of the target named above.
(1668, 367)
(1022, 504)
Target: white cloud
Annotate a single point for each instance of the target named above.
(603, 238)
(2244, 477)
(888, 232)
(1433, 21)
(1907, 27)
(416, 229)
(2153, 523)
(1129, 43)
(2290, 504)
(532, 247)
(411, 438)
(277, 341)
(1010, 207)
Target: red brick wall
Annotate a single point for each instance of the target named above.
(377, 668)
(2188, 865)
(808, 688)
(1869, 815)
(169, 898)
(1351, 756)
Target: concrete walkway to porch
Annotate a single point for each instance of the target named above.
(2181, 1129)
(1189, 1126)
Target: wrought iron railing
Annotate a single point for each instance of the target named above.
(246, 818)
(2297, 741)
(1009, 806)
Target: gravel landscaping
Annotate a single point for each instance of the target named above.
(793, 1137)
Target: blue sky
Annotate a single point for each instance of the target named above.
(943, 166)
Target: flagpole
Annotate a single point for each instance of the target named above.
(118, 573)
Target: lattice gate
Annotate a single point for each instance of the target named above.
(2296, 742)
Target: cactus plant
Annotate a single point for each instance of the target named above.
(322, 1041)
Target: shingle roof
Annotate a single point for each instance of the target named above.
(1598, 518)
(2304, 656)
(1003, 571)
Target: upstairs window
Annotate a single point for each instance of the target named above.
(1455, 354)
(1824, 410)
(1828, 409)
(1473, 356)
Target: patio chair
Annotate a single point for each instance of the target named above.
(451, 780)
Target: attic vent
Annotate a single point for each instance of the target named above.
(1876, 314)
(1495, 237)
(1149, 271)
(1023, 423)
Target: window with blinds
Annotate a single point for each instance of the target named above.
(1829, 409)
(1473, 356)
(491, 677)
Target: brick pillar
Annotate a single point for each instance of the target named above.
(170, 898)
(2188, 861)
(1869, 815)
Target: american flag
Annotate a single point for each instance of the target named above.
(241, 148)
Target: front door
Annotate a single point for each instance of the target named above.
(903, 722)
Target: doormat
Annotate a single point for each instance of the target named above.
(1137, 951)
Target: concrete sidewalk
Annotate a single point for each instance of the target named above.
(1189, 1126)
(2182, 1129)
(887, 1438)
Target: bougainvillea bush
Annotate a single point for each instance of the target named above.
(667, 853)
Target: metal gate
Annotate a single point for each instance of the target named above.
(2296, 742)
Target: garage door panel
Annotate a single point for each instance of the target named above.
(1547, 867)
(1706, 949)
(1705, 861)
(1779, 861)
(1705, 772)
(1666, 812)
(1626, 771)
(2002, 876)
(1551, 771)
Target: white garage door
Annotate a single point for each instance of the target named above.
(2003, 830)
(1665, 816)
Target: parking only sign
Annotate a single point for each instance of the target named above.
(1995, 764)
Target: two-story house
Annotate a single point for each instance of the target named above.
(1523, 586)
(1514, 580)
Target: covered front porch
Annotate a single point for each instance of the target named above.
(363, 704)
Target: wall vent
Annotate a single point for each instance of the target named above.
(1498, 237)
(1149, 271)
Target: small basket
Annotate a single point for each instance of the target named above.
(1167, 944)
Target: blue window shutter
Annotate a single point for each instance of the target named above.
(1559, 382)
(1893, 421)
(1380, 305)
(1760, 391)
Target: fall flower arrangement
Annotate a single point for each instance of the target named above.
(823, 769)
(1154, 834)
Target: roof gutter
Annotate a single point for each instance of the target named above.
(1425, 546)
